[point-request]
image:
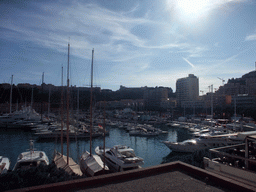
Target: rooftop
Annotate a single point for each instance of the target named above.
(175, 176)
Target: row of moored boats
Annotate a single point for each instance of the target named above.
(207, 137)
(115, 159)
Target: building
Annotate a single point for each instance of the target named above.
(243, 101)
(187, 90)
(154, 97)
(244, 85)
(242, 89)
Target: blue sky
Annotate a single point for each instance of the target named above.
(136, 43)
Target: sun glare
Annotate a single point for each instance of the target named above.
(191, 10)
(192, 7)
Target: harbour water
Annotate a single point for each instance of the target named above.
(151, 149)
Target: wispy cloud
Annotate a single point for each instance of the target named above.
(132, 44)
(89, 26)
(250, 37)
(232, 57)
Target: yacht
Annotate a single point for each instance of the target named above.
(31, 158)
(27, 117)
(4, 164)
(204, 142)
(120, 158)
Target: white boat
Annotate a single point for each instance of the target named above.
(190, 145)
(212, 131)
(120, 158)
(4, 164)
(31, 158)
(27, 117)
(204, 142)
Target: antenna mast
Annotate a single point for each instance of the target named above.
(91, 104)
(11, 96)
(62, 105)
(68, 108)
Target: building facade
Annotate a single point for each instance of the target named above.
(154, 97)
(187, 90)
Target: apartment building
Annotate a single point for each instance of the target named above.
(187, 90)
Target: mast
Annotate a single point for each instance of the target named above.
(49, 101)
(212, 101)
(68, 108)
(91, 105)
(77, 112)
(42, 97)
(62, 105)
(11, 96)
(104, 140)
(32, 95)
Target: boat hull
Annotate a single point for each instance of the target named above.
(92, 165)
(183, 148)
(4, 164)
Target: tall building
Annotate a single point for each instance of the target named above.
(187, 90)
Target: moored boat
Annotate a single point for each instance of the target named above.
(31, 158)
(4, 164)
(204, 142)
(120, 158)
(92, 165)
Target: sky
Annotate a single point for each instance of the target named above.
(136, 43)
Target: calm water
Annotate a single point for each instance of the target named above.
(151, 149)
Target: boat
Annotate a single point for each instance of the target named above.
(91, 165)
(65, 161)
(237, 162)
(27, 117)
(204, 142)
(31, 158)
(120, 158)
(4, 164)
(72, 136)
(212, 131)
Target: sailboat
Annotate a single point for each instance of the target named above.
(60, 160)
(91, 165)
